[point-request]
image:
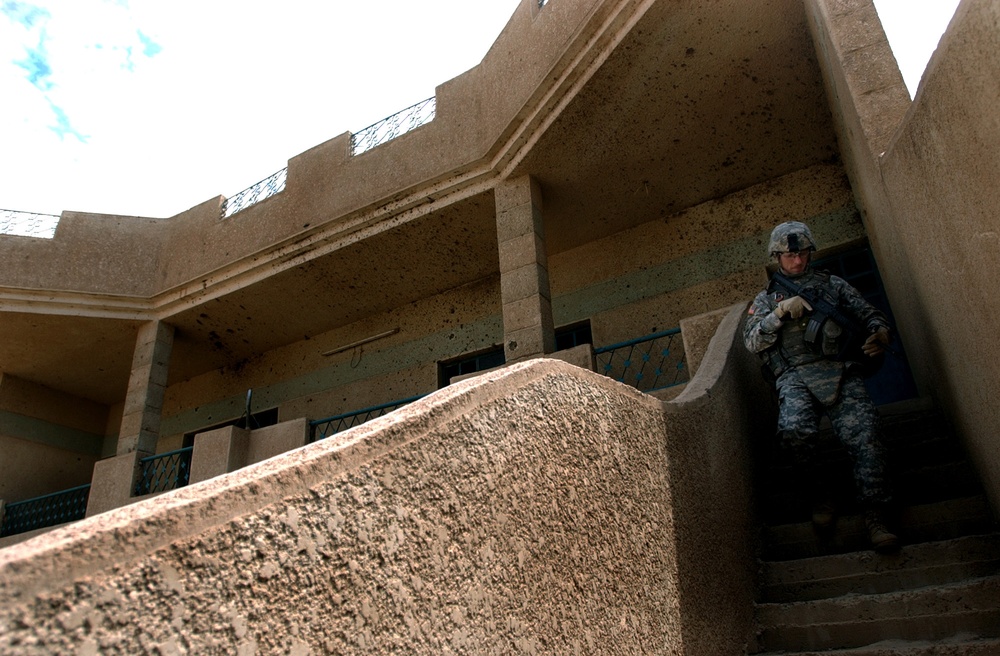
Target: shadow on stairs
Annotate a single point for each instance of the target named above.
(940, 594)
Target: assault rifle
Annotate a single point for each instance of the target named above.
(854, 332)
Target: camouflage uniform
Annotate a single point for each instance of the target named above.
(810, 382)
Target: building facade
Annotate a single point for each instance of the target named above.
(607, 175)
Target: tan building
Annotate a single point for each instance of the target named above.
(600, 187)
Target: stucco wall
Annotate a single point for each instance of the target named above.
(925, 176)
(711, 476)
(49, 440)
(303, 382)
(525, 511)
(30, 469)
(940, 176)
(650, 277)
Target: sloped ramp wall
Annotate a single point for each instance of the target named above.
(525, 511)
(715, 427)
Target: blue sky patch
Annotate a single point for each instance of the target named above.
(36, 64)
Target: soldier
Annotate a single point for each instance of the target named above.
(816, 371)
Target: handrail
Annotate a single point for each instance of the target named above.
(255, 193)
(637, 340)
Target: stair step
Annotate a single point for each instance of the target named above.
(921, 485)
(864, 572)
(930, 522)
(932, 613)
(959, 645)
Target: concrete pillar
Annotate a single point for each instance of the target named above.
(524, 275)
(114, 478)
(140, 428)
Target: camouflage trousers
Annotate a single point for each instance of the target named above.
(856, 424)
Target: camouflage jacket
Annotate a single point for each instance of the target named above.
(782, 344)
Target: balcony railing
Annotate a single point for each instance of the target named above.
(269, 186)
(374, 135)
(321, 428)
(164, 471)
(28, 224)
(393, 126)
(647, 363)
(44, 511)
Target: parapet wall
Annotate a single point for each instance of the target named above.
(533, 509)
(524, 510)
(329, 194)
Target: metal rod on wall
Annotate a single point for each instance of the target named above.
(361, 342)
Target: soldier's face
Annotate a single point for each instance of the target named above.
(794, 263)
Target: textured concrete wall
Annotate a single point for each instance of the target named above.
(650, 277)
(527, 511)
(30, 469)
(925, 176)
(49, 440)
(941, 175)
(302, 382)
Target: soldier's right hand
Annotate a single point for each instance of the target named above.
(794, 307)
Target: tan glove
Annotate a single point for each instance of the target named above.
(876, 343)
(794, 307)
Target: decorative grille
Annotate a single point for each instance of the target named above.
(28, 224)
(164, 471)
(269, 186)
(48, 510)
(322, 428)
(393, 126)
(646, 363)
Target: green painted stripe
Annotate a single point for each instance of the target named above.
(688, 271)
(694, 269)
(39, 431)
(372, 364)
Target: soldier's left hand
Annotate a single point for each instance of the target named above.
(876, 343)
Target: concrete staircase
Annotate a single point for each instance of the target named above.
(831, 594)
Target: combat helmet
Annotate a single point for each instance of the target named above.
(790, 237)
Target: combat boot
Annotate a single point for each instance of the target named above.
(824, 514)
(883, 540)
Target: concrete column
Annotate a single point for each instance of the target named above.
(524, 275)
(114, 478)
(140, 428)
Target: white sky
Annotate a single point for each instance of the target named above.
(149, 107)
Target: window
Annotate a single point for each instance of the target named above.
(573, 335)
(257, 420)
(470, 364)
